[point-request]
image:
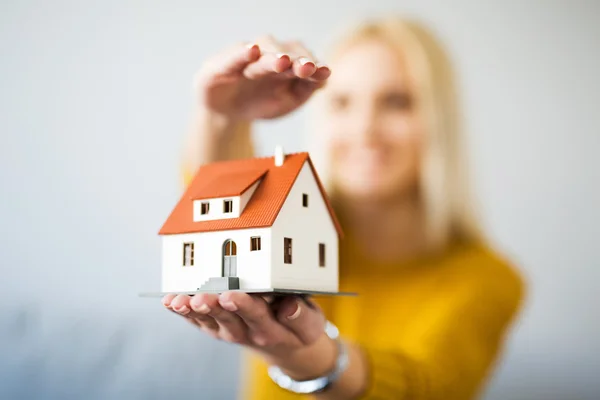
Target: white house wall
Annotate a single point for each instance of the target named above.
(307, 227)
(253, 267)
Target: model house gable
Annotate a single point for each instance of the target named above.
(305, 237)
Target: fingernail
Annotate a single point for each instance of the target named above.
(304, 60)
(281, 55)
(203, 309)
(250, 45)
(268, 298)
(296, 313)
(229, 306)
(183, 310)
(319, 65)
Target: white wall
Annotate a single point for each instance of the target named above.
(252, 266)
(247, 195)
(307, 227)
(216, 208)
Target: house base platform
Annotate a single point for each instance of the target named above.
(257, 291)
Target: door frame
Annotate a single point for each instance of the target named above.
(223, 255)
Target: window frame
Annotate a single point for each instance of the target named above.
(227, 203)
(287, 250)
(202, 207)
(191, 246)
(255, 243)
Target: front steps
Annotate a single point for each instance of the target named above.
(221, 284)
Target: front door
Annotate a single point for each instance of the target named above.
(229, 258)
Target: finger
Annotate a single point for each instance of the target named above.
(306, 69)
(184, 305)
(322, 73)
(167, 299)
(207, 325)
(302, 89)
(268, 64)
(181, 304)
(239, 57)
(191, 309)
(273, 60)
(304, 63)
(211, 330)
(268, 298)
(264, 330)
(303, 317)
(298, 49)
(269, 44)
(200, 310)
(231, 327)
(229, 63)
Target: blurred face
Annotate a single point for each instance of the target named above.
(374, 131)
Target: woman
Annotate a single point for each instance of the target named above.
(435, 301)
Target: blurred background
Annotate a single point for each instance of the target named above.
(94, 101)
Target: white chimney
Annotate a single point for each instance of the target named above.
(279, 156)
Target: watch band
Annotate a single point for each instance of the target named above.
(318, 384)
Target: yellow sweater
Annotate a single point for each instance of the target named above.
(432, 328)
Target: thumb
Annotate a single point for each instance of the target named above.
(232, 61)
(303, 317)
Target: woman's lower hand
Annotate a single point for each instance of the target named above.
(291, 336)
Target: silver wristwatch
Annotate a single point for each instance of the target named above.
(318, 384)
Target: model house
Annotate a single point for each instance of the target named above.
(254, 224)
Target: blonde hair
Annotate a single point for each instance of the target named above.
(449, 205)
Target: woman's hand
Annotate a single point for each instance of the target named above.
(290, 335)
(265, 79)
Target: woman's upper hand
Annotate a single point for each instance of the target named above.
(262, 80)
(291, 336)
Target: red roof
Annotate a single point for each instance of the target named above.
(232, 178)
(225, 184)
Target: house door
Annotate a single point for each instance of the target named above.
(229, 258)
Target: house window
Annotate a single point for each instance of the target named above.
(287, 250)
(227, 206)
(255, 243)
(188, 254)
(204, 206)
(304, 200)
(321, 254)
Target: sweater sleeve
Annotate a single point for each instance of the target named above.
(449, 349)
